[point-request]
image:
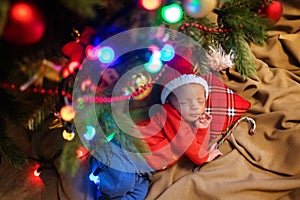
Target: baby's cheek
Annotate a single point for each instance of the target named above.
(202, 109)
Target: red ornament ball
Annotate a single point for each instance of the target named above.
(25, 24)
(273, 11)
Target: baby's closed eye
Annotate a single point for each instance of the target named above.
(201, 101)
(183, 102)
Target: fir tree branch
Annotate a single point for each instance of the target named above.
(243, 4)
(27, 110)
(204, 38)
(244, 59)
(251, 26)
(41, 113)
(9, 151)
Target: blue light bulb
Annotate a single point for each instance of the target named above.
(90, 132)
(167, 53)
(106, 54)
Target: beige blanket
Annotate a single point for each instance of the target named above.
(265, 165)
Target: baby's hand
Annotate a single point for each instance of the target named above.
(213, 153)
(204, 121)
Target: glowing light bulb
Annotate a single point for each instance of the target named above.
(106, 54)
(94, 176)
(67, 113)
(72, 66)
(150, 4)
(81, 151)
(92, 52)
(110, 137)
(37, 172)
(65, 72)
(167, 53)
(68, 135)
(172, 13)
(193, 6)
(154, 65)
(90, 132)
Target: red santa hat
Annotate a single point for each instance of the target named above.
(180, 72)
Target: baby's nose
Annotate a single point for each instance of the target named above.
(194, 105)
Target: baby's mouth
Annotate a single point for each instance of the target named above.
(195, 115)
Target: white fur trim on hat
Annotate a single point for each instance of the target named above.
(182, 80)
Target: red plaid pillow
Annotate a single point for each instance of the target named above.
(224, 105)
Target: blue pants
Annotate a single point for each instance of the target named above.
(121, 185)
(117, 185)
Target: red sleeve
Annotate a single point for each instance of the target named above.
(198, 151)
(169, 139)
(161, 154)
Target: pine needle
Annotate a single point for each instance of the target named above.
(253, 27)
(244, 59)
(40, 113)
(242, 4)
(9, 151)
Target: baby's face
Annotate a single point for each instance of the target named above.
(189, 100)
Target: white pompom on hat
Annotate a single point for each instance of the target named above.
(180, 73)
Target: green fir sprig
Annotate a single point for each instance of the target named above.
(204, 38)
(41, 112)
(9, 151)
(246, 23)
(244, 4)
(244, 61)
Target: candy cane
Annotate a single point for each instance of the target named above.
(229, 131)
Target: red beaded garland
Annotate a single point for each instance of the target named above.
(36, 90)
(204, 28)
(86, 99)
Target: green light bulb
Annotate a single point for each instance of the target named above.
(172, 13)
